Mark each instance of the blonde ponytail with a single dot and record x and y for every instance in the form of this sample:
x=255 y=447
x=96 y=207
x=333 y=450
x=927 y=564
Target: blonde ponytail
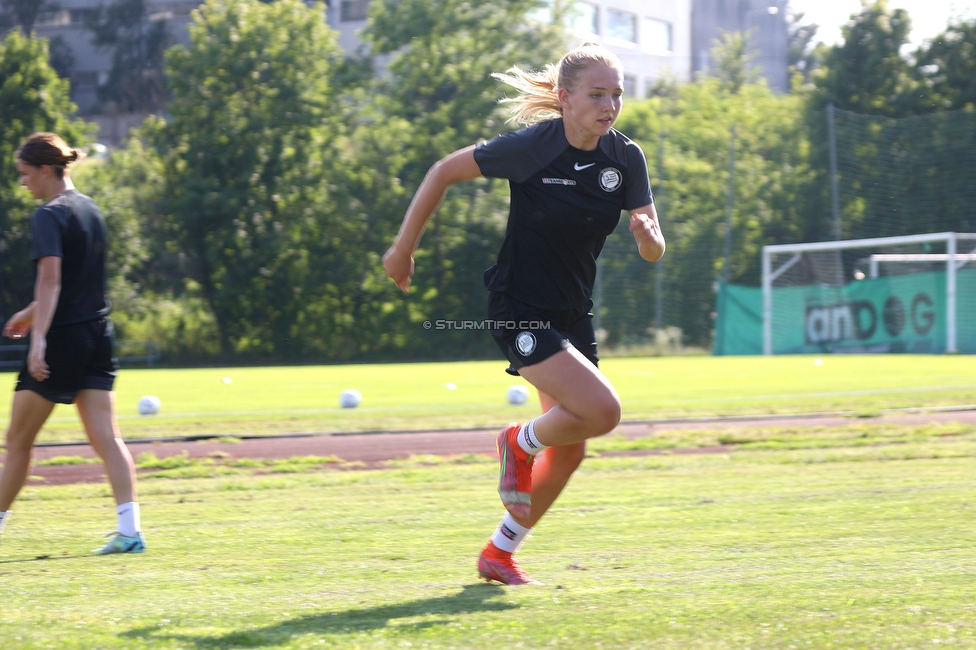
x=538 y=98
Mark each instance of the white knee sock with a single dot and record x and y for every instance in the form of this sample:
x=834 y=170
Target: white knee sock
x=4 y=517
x=128 y=518
x=528 y=441
x=510 y=534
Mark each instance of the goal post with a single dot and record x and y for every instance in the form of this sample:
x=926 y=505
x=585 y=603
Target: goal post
x=816 y=297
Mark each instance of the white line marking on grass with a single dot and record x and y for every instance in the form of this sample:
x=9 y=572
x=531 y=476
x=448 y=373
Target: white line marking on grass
x=846 y=393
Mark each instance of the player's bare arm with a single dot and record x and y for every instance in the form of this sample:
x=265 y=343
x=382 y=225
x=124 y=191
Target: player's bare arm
x=19 y=324
x=47 y=288
x=455 y=168
x=646 y=228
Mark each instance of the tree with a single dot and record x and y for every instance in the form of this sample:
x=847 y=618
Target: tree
x=801 y=55
x=151 y=299
x=733 y=61
x=32 y=98
x=866 y=73
x=137 y=80
x=249 y=152
x=947 y=66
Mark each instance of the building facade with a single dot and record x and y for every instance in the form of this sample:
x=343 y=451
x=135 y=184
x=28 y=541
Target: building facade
x=655 y=40
x=651 y=37
x=765 y=20
x=90 y=65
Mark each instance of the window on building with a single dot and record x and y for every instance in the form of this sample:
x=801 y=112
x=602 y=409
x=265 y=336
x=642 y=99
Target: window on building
x=541 y=14
x=353 y=10
x=622 y=25
x=655 y=35
x=630 y=85
x=78 y=15
x=52 y=18
x=649 y=86
x=585 y=18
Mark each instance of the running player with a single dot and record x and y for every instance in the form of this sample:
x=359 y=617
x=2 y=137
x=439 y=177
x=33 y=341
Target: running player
x=571 y=174
x=70 y=357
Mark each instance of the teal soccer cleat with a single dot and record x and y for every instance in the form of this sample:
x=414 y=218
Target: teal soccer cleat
x=123 y=544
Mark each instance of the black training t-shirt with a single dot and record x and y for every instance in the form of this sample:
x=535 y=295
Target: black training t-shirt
x=70 y=226
x=565 y=201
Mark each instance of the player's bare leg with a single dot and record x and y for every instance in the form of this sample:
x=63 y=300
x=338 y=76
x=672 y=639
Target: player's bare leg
x=551 y=472
x=28 y=414
x=97 y=411
x=586 y=404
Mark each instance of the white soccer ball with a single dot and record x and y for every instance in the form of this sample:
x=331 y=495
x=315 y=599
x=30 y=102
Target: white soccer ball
x=350 y=398
x=148 y=405
x=518 y=394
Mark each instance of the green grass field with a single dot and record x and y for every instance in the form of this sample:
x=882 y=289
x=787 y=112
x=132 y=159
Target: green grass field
x=835 y=545
x=859 y=536
x=414 y=396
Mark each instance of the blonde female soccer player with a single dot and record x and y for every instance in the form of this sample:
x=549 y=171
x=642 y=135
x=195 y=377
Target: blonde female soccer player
x=70 y=357
x=571 y=175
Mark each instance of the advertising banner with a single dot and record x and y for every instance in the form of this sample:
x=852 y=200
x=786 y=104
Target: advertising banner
x=902 y=313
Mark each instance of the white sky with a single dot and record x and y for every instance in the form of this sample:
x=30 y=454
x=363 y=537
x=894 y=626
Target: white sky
x=929 y=17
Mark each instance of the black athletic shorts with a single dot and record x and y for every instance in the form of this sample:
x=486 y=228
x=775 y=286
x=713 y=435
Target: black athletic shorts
x=528 y=335
x=79 y=356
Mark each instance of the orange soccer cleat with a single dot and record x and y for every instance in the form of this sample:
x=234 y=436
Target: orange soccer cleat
x=495 y=564
x=515 y=475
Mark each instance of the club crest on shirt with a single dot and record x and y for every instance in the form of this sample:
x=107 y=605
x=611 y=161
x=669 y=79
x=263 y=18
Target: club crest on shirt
x=610 y=179
x=525 y=343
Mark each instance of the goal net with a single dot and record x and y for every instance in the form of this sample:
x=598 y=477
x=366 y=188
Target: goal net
x=914 y=293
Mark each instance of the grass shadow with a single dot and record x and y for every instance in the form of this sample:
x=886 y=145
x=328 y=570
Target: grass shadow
x=471 y=598
x=48 y=558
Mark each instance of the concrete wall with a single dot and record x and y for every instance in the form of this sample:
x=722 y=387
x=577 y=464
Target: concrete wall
x=765 y=18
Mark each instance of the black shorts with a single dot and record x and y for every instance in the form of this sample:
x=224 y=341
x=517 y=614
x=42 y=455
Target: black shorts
x=528 y=335
x=81 y=355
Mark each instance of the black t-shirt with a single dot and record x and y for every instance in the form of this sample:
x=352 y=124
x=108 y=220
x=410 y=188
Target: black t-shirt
x=70 y=226
x=565 y=201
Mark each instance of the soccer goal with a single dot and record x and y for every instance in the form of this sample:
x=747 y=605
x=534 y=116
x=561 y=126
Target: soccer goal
x=915 y=293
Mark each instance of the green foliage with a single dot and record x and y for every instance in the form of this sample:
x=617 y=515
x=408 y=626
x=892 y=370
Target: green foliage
x=151 y=298
x=32 y=98
x=249 y=156
x=801 y=53
x=947 y=65
x=772 y=173
x=734 y=61
x=906 y=176
x=866 y=73
x=248 y=225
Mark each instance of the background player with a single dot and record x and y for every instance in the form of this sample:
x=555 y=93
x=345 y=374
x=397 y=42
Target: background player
x=70 y=357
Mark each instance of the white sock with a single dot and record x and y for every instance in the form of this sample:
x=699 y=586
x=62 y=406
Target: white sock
x=4 y=517
x=510 y=534
x=128 y=518
x=528 y=441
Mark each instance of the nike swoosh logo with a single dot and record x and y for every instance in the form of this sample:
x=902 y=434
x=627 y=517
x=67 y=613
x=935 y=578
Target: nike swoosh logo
x=580 y=168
